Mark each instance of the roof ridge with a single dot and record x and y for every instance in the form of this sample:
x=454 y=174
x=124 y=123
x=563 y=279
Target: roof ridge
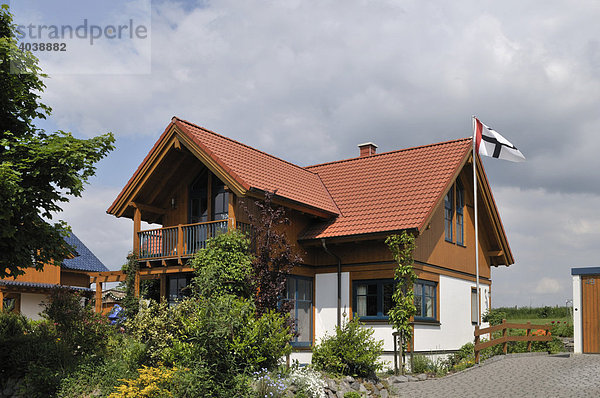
x=388 y=153
x=242 y=144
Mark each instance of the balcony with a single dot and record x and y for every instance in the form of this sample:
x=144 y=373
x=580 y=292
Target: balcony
x=182 y=241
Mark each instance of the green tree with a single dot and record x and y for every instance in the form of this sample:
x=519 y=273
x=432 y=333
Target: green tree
x=402 y=247
x=38 y=170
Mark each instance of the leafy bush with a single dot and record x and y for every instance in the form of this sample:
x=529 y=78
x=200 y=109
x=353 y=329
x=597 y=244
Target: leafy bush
x=226 y=334
x=562 y=329
x=310 y=384
x=353 y=394
x=12 y=325
x=77 y=325
x=494 y=317
x=424 y=364
x=268 y=385
x=39 y=356
x=124 y=357
x=150 y=383
x=224 y=266
x=351 y=351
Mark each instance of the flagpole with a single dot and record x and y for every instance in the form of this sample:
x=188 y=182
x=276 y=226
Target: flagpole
x=476 y=221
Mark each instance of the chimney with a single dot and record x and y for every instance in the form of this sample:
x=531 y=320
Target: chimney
x=367 y=149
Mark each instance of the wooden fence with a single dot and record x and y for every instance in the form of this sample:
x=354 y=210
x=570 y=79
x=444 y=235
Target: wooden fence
x=504 y=326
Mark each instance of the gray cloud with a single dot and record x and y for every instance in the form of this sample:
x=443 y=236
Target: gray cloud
x=307 y=81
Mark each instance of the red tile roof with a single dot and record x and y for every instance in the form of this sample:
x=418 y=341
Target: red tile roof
x=256 y=169
x=389 y=191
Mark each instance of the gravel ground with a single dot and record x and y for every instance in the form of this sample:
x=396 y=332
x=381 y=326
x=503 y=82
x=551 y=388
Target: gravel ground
x=518 y=375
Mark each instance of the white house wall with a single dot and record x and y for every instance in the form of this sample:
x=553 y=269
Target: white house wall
x=326 y=302
x=577 y=323
x=455 y=327
x=31 y=305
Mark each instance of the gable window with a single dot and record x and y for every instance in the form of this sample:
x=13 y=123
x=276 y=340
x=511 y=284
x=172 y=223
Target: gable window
x=449 y=213
x=220 y=201
x=425 y=300
x=299 y=293
x=198 y=199
x=372 y=299
x=460 y=205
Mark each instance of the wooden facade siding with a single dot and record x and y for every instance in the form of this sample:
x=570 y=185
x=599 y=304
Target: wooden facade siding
x=49 y=274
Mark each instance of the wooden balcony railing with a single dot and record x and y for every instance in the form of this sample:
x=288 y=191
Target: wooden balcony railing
x=182 y=240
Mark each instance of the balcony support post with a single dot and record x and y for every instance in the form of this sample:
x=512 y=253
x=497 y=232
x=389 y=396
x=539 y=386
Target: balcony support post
x=137 y=225
x=179 y=243
x=98 y=297
x=231 y=211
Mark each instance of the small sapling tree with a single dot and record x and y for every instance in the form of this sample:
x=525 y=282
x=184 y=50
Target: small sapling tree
x=274 y=259
x=402 y=247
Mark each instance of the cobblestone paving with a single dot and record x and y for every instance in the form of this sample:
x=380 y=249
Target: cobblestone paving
x=517 y=376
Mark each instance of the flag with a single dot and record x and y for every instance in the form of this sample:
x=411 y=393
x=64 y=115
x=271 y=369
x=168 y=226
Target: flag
x=488 y=142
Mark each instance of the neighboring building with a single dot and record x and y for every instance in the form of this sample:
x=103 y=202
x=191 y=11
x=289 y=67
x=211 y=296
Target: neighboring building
x=110 y=298
x=196 y=183
x=26 y=293
x=586 y=310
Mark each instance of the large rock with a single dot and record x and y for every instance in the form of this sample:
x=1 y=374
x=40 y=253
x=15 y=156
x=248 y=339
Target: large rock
x=397 y=379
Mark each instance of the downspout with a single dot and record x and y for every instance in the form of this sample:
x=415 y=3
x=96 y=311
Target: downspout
x=339 y=282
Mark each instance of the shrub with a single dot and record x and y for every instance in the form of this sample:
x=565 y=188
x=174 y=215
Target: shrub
x=224 y=267
x=199 y=382
x=124 y=357
x=38 y=356
x=310 y=384
x=421 y=364
x=351 y=351
x=78 y=326
x=226 y=334
x=150 y=383
x=12 y=325
x=424 y=364
x=353 y=394
x=217 y=337
x=494 y=317
x=562 y=329
x=268 y=385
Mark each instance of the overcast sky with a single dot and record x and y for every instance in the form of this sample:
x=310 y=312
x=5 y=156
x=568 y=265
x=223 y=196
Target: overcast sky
x=309 y=80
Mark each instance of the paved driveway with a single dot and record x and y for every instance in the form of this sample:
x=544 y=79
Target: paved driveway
x=517 y=376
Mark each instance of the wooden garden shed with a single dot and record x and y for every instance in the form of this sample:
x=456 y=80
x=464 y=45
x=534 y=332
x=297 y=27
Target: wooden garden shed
x=586 y=309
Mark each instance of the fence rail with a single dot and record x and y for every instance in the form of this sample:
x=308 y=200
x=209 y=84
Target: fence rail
x=504 y=326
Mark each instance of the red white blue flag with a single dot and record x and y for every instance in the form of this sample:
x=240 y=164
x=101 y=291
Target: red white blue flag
x=488 y=142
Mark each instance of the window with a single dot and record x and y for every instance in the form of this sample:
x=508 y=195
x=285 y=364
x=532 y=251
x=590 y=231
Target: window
x=474 y=306
x=220 y=204
x=460 y=204
x=299 y=293
x=177 y=287
x=372 y=299
x=449 y=213
x=198 y=199
x=425 y=300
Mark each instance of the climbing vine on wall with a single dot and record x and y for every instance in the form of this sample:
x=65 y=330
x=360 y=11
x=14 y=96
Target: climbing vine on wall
x=402 y=247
